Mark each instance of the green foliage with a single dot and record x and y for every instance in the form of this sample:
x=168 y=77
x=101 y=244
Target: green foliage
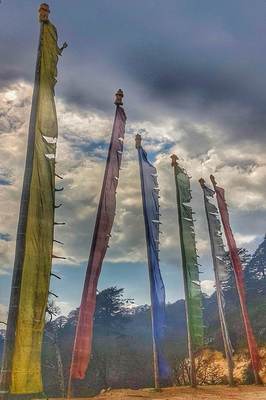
x=112 y=311
x=248 y=378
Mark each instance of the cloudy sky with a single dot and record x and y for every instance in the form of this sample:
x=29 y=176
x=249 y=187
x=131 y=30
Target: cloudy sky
x=194 y=79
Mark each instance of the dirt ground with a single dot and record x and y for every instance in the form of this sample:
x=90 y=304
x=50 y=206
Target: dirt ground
x=186 y=393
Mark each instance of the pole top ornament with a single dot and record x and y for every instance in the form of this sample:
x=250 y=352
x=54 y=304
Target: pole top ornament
x=212 y=178
x=44 y=12
x=119 y=97
x=174 y=160
x=138 y=140
x=202 y=182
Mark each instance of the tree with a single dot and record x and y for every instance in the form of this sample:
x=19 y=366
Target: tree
x=112 y=314
x=52 y=309
x=2 y=340
x=208 y=370
x=52 y=359
x=229 y=286
x=255 y=273
x=112 y=311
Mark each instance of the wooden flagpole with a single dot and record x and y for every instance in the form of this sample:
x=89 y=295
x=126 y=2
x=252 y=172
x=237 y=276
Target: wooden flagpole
x=155 y=353
x=219 y=295
x=193 y=377
x=238 y=272
x=118 y=103
x=20 y=242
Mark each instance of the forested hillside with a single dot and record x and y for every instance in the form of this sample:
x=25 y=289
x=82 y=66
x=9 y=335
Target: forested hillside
x=122 y=348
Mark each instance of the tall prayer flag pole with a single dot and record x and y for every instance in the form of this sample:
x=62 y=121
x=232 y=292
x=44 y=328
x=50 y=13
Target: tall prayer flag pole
x=151 y=212
x=102 y=232
x=220 y=273
x=239 y=278
x=21 y=370
x=193 y=295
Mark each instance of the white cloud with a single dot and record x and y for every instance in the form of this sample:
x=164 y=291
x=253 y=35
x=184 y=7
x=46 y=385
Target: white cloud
x=64 y=307
x=3 y=314
x=244 y=240
x=207 y=286
x=6 y=250
x=239 y=170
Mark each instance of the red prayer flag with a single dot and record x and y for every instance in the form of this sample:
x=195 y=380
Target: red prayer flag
x=239 y=276
x=103 y=226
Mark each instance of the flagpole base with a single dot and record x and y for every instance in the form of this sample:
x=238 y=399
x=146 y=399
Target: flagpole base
x=257 y=378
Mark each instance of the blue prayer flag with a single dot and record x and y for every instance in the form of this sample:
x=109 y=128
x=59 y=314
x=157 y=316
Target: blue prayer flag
x=150 y=198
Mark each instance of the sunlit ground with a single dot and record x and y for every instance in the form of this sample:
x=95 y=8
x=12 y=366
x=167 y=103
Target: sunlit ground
x=218 y=392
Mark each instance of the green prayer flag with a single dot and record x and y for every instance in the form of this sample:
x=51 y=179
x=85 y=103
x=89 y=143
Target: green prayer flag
x=36 y=225
x=189 y=259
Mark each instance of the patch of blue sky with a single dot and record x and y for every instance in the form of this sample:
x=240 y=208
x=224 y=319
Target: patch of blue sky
x=87 y=147
x=132 y=277
x=4 y=181
x=5 y=285
x=5 y=237
x=164 y=148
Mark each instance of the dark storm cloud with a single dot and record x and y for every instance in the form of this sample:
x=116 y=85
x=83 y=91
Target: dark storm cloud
x=8 y=75
x=210 y=86
x=189 y=82
x=193 y=60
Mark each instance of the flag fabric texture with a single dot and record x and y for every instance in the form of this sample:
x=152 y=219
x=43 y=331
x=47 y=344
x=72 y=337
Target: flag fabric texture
x=102 y=231
x=239 y=276
x=150 y=195
x=33 y=258
x=189 y=258
x=220 y=268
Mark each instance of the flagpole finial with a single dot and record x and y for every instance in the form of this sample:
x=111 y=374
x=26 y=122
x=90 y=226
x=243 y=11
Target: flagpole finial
x=119 y=97
x=212 y=178
x=174 y=160
x=138 y=141
x=202 y=182
x=44 y=11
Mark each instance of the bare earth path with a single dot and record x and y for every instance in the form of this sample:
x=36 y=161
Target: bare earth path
x=185 y=393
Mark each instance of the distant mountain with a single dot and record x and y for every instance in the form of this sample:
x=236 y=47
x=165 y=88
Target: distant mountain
x=255 y=284
x=255 y=273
